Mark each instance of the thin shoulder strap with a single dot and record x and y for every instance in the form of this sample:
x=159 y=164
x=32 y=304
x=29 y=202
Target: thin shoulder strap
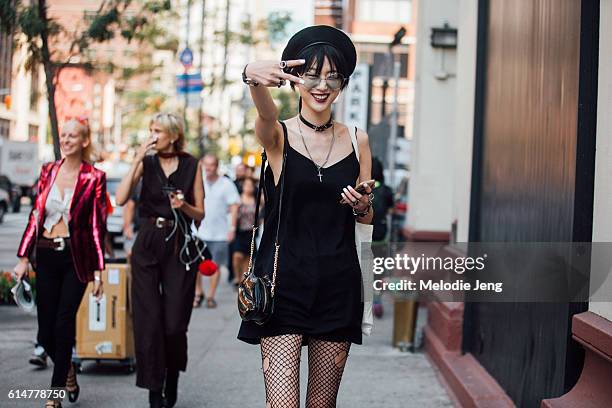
x=355 y=144
x=262 y=186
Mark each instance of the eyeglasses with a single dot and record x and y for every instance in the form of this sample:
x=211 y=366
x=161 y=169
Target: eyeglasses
x=333 y=82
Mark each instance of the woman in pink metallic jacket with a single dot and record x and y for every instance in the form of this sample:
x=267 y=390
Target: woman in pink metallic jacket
x=64 y=241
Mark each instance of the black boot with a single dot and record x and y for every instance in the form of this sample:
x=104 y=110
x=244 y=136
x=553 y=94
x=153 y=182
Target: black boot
x=171 y=389
x=155 y=399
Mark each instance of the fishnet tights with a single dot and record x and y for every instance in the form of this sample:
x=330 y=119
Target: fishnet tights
x=281 y=369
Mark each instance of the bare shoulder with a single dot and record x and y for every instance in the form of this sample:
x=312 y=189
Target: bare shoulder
x=362 y=138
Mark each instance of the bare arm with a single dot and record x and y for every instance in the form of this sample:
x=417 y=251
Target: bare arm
x=196 y=211
x=129 y=210
x=124 y=191
x=268 y=73
x=129 y=181
x=365 y=170
x=349 y=194
x=233 y=210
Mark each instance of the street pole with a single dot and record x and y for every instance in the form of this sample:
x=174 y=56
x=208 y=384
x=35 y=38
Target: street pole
x=397 y=39
x=201 y=135
x=394 y=122
x=187 y=46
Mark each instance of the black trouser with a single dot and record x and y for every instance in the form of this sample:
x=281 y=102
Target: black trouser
x=58 y=296
x=162 y=298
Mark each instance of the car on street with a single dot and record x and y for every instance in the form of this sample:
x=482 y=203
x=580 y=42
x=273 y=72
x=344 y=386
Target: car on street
x=5 y=200
x=114 y=222
x=13 y=190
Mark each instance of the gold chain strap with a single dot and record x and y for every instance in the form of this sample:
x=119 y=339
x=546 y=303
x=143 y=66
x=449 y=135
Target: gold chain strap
x=250 y=267
x=276 y=247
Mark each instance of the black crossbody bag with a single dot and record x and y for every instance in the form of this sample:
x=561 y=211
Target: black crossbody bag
x=256 y=294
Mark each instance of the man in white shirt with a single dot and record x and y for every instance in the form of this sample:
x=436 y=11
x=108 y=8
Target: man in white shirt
x=218 y=228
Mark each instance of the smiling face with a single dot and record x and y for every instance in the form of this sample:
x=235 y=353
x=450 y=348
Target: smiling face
x=74 y=139
x=321 y=96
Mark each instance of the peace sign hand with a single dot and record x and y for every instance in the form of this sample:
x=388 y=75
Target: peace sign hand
x=270 y=73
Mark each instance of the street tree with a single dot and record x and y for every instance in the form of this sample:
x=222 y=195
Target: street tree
x=267 y=32
x=54 y=45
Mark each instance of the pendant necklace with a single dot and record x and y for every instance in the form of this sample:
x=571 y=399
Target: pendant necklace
x=331 y=145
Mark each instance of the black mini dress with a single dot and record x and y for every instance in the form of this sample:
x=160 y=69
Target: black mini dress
x=318 y=283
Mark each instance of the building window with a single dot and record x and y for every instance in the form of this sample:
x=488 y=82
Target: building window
x=385 y=10
x=32 y=133
x=34 y=89
x=382 y=66
x=5 y=126
x=6 y=61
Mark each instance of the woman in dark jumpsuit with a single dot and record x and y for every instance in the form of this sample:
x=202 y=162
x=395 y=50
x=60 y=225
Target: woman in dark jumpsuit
x=162 y=285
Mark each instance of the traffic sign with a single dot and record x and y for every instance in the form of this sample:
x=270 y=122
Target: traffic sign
x=189 y=83
x=186 y=57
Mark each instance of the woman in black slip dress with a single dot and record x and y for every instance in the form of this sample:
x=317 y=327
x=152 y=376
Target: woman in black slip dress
x=317 y=299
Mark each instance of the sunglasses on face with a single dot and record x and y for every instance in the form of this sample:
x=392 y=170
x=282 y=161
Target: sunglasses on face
x=333 y=82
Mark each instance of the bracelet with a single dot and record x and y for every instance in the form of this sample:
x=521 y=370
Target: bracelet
x=246 y=80
x=97 y=278
x=367 y=210
x=364 y=213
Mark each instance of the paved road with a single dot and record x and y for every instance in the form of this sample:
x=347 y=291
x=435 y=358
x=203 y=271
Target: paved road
x=10 y=235
x=222 y=371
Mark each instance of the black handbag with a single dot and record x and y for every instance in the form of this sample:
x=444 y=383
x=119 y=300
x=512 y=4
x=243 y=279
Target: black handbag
x=256 y=294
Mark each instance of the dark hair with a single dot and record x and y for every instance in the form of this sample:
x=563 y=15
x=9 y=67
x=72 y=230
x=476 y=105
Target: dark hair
x=315 y=57
x=377 y=171
x=255 y=184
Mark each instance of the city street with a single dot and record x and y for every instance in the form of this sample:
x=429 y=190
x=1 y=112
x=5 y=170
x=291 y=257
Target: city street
x=222 y=371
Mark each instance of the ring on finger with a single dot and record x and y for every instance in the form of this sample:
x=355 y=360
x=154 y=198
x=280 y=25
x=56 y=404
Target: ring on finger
x=282 y=64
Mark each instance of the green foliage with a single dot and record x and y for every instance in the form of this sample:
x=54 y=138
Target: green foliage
x=142 y=104
x=111 y=19
x=100 y=29
x=276 y=26
x=287 y=102
x=158 y=6
x=8 y=15
x=30 y=22
x=7 y=281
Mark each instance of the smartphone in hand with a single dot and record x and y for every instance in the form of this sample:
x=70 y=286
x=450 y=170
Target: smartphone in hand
x=360 y=188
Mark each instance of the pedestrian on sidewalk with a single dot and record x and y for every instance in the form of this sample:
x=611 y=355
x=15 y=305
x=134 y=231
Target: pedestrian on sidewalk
x=218 y=229
x=39 y=356
x=163 y=274
x=64 y=241
x=246 y=219
x=131 y=222
x=317 y=298
x=383 y=204
x=239 y=175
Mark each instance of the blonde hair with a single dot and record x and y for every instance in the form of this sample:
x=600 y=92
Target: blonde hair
x=173 y=125
x=85 y=131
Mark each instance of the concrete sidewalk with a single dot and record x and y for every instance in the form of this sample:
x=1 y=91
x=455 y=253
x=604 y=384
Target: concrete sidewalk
x=224 y=372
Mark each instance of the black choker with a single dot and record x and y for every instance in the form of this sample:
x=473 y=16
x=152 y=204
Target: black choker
x=315 y=127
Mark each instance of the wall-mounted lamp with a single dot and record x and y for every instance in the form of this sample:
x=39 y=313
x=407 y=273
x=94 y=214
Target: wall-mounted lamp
x=397 y=37
x=444 y=37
